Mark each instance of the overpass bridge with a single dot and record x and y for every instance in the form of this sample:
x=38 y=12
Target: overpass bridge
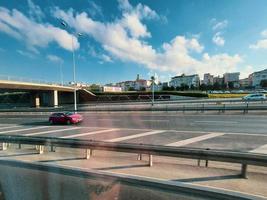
x=42 y=94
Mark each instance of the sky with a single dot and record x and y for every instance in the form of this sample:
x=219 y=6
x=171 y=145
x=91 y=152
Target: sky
x=115 y=40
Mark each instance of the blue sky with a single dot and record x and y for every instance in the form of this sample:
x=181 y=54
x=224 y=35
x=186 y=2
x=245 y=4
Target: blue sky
x=123 y=38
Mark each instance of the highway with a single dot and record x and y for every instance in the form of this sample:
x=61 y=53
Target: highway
x=225 y=132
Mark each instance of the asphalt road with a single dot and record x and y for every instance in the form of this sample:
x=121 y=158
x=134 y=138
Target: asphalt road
x=225 y=132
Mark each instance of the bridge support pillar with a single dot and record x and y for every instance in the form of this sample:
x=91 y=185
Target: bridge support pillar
x=37 y=101
x=55 y=98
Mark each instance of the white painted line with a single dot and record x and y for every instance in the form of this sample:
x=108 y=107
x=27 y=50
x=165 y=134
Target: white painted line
x=182 y=131
x=262 y=149
x=221 y=122
x=89 y=133
x=154 y=120
x=52 y=131
x=8 y=127
x=24 y=129
x=135 y=136
x=194 y=139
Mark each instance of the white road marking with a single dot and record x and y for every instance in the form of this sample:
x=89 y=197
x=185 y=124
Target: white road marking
x=154 y=120
x=8 y=127
x=221 y=122
x=25 y=129
x=52 y=131
x=135 y=136
x=194 y=139
x=90 y=133
x=262 y=149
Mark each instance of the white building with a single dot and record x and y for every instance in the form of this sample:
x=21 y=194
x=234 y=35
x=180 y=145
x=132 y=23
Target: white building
x=231 y=77
x=178 y=81
x=111 y=89
x=208 y=79
x=257 y=77
x=138 y=84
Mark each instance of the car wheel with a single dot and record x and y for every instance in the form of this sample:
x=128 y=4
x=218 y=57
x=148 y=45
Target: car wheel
x=51 y=122
x=68 y=122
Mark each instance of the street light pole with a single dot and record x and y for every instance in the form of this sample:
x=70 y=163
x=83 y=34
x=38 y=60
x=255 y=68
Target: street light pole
x=74 y=64
x=153 y=90
x=74 y=74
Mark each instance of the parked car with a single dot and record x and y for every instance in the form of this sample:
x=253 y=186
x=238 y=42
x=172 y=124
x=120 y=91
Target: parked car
x=254 y=97
x=65 y=118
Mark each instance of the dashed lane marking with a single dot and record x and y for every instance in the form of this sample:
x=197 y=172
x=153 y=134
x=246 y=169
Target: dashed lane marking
x=262 y=149
x=52 y=131
x=24 y=129
x=90 y=133
x=194 y=139
x=135 y=136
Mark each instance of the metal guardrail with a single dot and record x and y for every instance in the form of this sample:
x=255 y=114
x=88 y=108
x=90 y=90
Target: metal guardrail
x=100 y=182
x=221 y=108
x=244 y=159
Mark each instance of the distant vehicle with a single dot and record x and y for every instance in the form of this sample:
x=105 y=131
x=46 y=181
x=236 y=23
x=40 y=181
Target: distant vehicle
x=261 y=91
x=65 y=118
x=254 y=97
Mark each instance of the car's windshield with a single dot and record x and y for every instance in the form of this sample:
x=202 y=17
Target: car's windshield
x=133 y=99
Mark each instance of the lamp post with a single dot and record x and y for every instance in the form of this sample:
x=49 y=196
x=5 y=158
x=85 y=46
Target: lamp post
x=73 y=62
x=153 y=92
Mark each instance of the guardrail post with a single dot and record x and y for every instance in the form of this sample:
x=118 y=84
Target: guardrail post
x=203 y=107
x=150 y=160
x=52 y=149
x=198 y=162
x=139 y=157
x=244 y=170
x=4 y=146
x=207 y=163
x=246 y=109
x=87 y=153
x=41 y=149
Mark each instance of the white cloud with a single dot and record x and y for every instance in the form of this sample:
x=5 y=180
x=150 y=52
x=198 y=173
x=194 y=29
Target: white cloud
x=54 y=58
x=95 y=9
x=246 y=71
x=219 y=25
x=26 y=54
x=218 y=39
x=264 y=33
x=17 y=25
x=35 y=11
x=106 y=58
x=126 y=42
x=260 y=44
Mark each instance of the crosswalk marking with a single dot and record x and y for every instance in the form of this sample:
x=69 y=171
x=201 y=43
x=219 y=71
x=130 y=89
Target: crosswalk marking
x=52 y=131
x=262 y=149
x=24 y=129
x=135 y=136
x=194 y=139
x=90 y=133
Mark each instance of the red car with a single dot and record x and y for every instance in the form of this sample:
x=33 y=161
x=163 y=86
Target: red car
x=65 y=118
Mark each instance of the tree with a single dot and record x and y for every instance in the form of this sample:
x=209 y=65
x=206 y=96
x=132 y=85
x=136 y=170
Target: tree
x=263 y=83
x=131 y=89
x=203 y=87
